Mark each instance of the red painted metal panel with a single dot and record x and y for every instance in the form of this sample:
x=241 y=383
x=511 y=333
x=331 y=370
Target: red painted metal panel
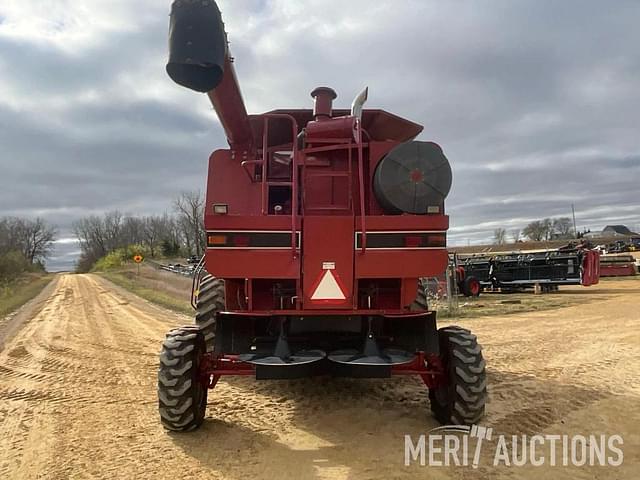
x=614 y=270
x=252 y=264
x=283 y=222
x=229 y=184
x=590 y=268
x=328 y=240
x=401 y=263
x=337 y=127
x=249 y=222
x=406 y=222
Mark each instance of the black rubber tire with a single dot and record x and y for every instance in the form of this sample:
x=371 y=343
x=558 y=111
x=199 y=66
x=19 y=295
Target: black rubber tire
x=182 y=393
x=471 y=287
x=462 y=401
x=421 y=302
x=210 y=300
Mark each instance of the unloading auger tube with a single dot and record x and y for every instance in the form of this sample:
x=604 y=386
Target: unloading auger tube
x=199 y=59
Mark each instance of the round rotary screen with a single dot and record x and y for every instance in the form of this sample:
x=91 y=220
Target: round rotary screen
x=414 y=177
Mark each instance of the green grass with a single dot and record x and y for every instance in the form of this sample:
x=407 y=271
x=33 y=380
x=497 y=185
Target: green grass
x=18 y=292
x=140 y=285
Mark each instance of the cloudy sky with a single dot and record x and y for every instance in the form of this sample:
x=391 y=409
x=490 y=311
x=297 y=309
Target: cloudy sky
x=536 y=103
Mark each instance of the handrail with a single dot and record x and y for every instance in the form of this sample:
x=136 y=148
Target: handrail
x=195 y=282
x=361 y=185
x=265 y=166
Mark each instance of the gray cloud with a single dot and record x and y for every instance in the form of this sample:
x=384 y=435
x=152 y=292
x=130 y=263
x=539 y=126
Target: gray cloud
x=535 y=103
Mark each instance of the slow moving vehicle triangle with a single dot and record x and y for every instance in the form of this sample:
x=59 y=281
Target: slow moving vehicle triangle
x=328 y=288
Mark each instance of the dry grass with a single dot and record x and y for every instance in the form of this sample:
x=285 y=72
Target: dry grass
x=490 y=304
x=495 y=304
x=15 y=294
x=164 y=288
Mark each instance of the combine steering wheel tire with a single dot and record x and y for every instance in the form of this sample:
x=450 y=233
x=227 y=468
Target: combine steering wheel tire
x=182 y=391
x=462 y=400
x=210 y=300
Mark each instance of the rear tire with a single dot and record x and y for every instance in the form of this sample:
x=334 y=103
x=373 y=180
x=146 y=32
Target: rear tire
x=182 y=392
x=422 y=301
x=462 y=400
x=209 y=302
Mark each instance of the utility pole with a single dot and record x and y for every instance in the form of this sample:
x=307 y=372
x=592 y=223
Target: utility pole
x=575 y=229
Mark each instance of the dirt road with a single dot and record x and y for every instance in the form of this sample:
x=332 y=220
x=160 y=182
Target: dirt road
x=77 y=397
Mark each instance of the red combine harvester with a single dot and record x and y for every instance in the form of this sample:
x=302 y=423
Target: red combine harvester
x=320 y=224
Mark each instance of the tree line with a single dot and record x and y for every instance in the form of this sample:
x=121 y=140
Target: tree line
x=179 y=233
x=540 y=230
x=24 y=245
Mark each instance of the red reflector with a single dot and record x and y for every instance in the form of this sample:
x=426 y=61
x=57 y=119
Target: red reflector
x=241 y=241
x=437 y=240
x=412 y=241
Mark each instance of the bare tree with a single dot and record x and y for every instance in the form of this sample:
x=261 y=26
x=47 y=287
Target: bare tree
x=32 y=238
x=499 y=236
x=38 y=240
x=24 y=245
x=536 y=231
x=515 y=235
x=91 y=235
x=8 y=235
x=563 y=227
x=156 y=230
x=190 y=209
x=133 y=230
x=113 y=227
x=99 y=236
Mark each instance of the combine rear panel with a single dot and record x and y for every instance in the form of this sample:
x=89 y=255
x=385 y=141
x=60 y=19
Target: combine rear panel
x=319 y=224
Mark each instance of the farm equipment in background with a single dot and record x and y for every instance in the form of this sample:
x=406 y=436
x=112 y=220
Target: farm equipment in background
x=619 y=246
x=617 y=265
x=468 y=284
x=319 y=225
x=523 y=270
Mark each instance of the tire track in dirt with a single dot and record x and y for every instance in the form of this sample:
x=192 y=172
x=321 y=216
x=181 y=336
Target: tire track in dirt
x=76 y=357
x=77 y=397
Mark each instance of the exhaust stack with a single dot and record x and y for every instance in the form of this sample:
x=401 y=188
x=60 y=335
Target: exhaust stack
x=323 y=98
x=199 y=60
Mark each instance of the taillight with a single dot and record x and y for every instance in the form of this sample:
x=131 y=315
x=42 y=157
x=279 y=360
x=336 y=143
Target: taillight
x=216 y=240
